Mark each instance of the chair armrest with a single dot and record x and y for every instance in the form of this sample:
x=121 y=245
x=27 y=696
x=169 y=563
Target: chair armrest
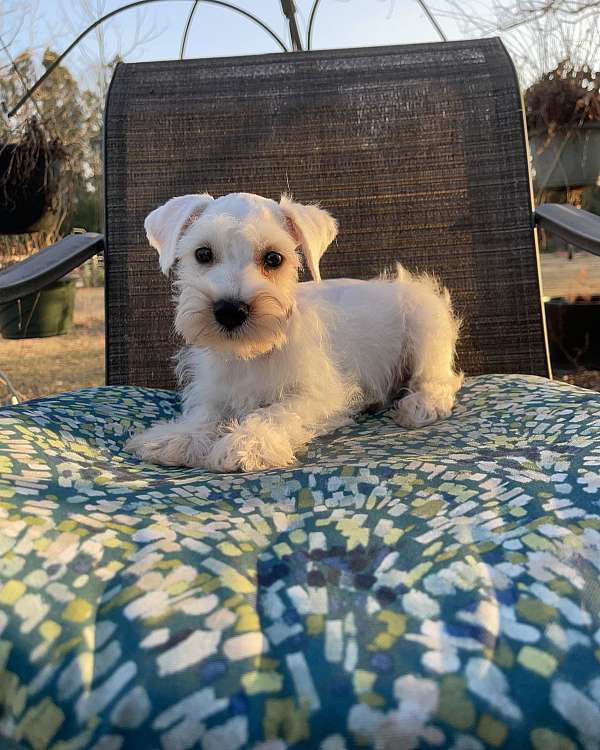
x=578 y=227
x=48 y=265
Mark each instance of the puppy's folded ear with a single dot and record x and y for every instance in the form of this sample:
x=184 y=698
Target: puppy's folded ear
x=313 y=228
x=165 y=225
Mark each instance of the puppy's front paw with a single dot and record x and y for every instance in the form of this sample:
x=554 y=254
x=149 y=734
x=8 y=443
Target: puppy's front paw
x=248 y=448
x=415 y=412
x=167 y=444
x=427 y=401
x=420 y=409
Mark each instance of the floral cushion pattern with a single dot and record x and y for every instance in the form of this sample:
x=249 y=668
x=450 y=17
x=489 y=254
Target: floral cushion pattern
x=395 y=589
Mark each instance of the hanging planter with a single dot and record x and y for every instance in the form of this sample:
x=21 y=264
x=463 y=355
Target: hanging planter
x=30 y=175
x=563 y=119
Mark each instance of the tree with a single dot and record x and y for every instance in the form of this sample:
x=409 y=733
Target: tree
x=105 y=47
x=100 y=54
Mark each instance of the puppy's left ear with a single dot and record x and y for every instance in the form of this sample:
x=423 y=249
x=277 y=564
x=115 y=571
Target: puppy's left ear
x=165 y=225
x=313 y=228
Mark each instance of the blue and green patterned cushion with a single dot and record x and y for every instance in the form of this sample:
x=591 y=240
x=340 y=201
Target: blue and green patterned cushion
x=397 y=589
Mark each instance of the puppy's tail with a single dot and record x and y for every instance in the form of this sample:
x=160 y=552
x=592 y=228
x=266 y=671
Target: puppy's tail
x=433 y=284
x=425 y=278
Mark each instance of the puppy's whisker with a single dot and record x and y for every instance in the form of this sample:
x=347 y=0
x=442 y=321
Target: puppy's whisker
x=265 y=297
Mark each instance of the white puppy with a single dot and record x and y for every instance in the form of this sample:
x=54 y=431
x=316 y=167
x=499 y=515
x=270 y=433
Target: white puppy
x=272 y=362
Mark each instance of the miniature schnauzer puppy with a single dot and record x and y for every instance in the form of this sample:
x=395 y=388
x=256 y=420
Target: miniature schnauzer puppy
x=272 y=362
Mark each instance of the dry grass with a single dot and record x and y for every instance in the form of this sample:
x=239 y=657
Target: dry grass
x=562 y=277
x=39 y=367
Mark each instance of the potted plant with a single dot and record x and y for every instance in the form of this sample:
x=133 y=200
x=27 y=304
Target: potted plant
x=563 y=118
x=48 y=312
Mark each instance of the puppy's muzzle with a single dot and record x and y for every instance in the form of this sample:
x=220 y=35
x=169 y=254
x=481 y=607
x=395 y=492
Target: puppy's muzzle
x=230 y=313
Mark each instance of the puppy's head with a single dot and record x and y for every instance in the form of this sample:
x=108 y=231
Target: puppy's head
x=236 y=262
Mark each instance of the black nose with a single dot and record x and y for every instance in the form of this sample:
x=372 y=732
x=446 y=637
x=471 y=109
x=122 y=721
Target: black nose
x=230 y=313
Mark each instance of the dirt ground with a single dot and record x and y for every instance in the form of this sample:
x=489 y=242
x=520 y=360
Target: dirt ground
x=38 y=367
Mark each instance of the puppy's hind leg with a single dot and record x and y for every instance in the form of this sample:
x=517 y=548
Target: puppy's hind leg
x=432 y=330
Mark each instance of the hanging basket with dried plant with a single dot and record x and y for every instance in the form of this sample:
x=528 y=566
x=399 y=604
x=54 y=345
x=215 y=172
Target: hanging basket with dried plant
x=31 y=169
x=563 y=119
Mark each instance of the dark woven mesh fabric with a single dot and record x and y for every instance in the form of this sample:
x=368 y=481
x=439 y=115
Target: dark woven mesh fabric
x=418 y=151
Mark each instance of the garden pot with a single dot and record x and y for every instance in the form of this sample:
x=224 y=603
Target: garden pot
x=570 y=159
x=574 y=331
x=48 y=312
x=25 y=206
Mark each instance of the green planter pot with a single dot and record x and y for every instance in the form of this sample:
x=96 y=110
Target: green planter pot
x=570 y=159
x=48 y=312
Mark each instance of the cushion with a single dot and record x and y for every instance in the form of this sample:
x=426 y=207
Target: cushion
x=397 y=588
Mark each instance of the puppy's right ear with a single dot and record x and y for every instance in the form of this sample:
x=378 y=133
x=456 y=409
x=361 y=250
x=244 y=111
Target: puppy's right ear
x=165 y=225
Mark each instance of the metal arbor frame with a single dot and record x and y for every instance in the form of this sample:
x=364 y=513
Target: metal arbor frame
x=288 y=8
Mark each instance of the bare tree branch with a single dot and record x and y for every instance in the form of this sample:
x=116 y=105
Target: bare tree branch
x=100 y=53
x=537 y=42
x=571 y=7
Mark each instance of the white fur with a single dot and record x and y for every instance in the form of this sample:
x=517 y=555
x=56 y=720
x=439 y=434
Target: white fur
x=310 y=355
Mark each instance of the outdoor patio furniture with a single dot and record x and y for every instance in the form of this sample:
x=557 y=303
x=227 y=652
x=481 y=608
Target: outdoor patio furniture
x=397 y=588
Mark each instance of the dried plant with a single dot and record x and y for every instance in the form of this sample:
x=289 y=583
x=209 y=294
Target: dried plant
x=14 y=248
x=566 y=97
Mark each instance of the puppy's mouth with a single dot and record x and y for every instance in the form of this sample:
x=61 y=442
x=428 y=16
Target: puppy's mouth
x=243 y=329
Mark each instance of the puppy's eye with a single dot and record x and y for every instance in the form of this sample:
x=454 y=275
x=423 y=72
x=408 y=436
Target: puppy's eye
x=204 y=255
x=272 y=259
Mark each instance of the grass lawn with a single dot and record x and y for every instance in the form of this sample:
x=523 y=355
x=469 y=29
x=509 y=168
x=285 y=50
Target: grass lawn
x=569 y=278
x=38 y=367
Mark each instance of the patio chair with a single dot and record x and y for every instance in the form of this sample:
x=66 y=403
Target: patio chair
x=396 y=589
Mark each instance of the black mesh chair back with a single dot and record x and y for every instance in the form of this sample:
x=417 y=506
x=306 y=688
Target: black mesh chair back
x=419 y=151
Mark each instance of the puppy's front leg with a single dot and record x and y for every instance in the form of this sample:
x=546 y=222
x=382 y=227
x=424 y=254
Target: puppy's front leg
x=268 y=437
x=183 y=442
